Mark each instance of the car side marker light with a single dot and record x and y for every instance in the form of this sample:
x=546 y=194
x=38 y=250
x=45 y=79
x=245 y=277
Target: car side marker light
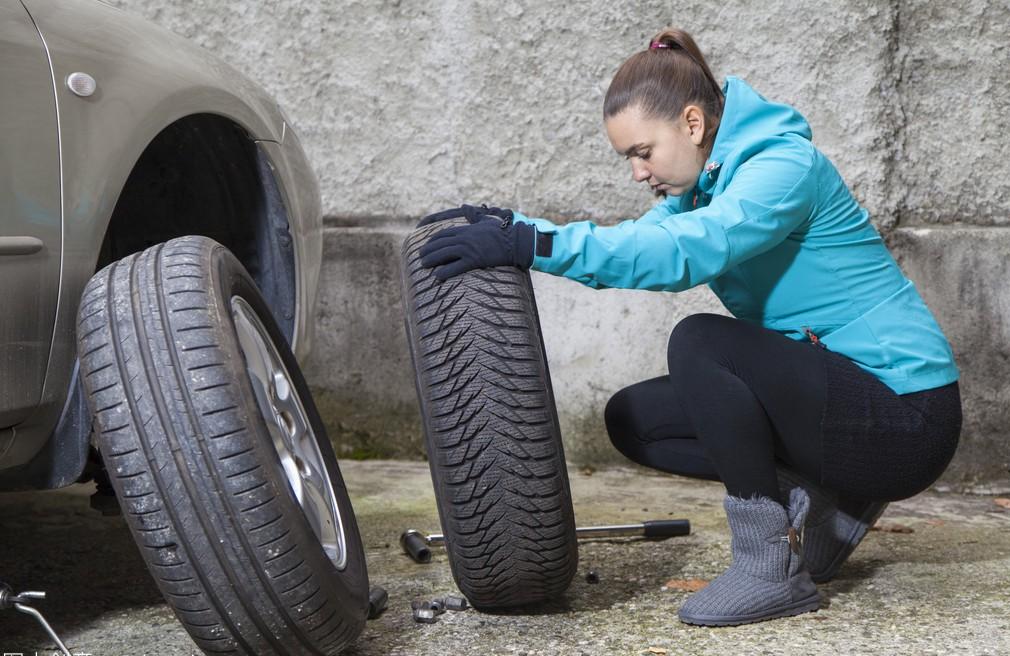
x=81 y=84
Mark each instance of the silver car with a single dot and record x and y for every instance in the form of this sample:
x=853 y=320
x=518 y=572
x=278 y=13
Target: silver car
x=169 y=378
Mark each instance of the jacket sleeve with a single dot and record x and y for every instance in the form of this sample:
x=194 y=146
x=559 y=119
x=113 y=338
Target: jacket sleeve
x=770 y=195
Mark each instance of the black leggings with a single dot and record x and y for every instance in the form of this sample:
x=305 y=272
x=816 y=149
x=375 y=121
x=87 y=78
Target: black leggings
x=739 y=397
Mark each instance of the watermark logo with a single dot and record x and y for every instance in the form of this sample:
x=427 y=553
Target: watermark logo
x=44 y=653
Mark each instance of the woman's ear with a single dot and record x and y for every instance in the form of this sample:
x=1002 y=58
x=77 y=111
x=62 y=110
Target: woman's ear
x=694 y=120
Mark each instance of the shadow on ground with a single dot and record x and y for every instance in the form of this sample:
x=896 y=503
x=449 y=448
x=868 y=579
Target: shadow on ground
x=86 y=563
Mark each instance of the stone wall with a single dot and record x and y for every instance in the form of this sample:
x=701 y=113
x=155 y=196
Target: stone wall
x=407 y=107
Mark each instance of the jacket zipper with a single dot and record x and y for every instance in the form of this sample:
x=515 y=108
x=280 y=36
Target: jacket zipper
x=814 y=339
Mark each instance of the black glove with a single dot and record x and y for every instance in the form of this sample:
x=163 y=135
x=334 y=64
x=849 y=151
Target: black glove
x=489 y=242
x=471 y=213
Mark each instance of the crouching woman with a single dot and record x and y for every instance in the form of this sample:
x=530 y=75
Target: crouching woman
x=829 y=392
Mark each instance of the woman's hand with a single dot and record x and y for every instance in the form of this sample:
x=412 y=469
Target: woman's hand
x=488 y=242
x=471 y=213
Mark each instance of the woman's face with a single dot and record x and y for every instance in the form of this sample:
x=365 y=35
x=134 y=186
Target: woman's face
x=666 y=154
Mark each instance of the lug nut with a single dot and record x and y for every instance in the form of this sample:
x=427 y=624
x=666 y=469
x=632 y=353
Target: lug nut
x=377 y=600
x=454 y=603
x=425 y=616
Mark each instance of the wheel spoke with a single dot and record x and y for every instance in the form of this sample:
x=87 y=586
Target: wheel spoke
x=257 y=366
x=315 y=504
x=294 y=478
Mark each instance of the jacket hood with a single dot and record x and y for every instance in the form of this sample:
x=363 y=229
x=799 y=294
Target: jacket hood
x=748 y=121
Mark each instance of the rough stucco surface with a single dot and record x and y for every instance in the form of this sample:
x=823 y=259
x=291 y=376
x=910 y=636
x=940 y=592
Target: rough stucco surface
x=406 y=107
x=956 y=95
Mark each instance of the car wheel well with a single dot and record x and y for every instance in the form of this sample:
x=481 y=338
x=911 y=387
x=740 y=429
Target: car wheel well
x=205 y=175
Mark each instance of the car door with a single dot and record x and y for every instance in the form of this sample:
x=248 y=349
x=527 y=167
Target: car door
x=30 y=213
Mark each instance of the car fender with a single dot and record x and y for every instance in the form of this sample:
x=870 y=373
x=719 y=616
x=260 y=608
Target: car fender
x=146 y=79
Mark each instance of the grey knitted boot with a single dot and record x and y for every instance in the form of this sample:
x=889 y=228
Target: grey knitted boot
x=835 y=526
x=767 y=578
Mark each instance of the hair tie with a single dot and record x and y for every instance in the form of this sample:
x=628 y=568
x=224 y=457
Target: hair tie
x=656 y=44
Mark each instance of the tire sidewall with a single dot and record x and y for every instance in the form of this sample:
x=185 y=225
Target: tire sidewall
x=230 y=279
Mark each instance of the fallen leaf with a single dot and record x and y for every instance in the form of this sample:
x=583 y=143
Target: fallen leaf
x=890 y=527
x=588 y=470
x=1001 y=502
x=657 y=650
x=685 y=585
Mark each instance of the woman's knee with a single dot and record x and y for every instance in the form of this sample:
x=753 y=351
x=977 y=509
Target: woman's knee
x=702 y=328
x=695 y=339
x=622 y=426
x=617 y=417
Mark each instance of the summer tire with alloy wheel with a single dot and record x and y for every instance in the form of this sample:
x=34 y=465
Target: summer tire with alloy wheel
x=218 y=457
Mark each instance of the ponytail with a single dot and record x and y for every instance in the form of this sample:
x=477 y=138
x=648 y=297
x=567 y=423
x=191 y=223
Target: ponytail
x=663 y=79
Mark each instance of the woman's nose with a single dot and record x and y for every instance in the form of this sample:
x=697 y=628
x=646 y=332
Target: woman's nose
x=638 y=171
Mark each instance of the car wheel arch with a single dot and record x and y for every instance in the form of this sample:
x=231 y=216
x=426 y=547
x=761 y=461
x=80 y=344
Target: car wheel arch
x=166 y=180
x=205 y=174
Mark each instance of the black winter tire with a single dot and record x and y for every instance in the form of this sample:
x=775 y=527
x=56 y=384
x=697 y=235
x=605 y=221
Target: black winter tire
x=491 y=430
x=193 y=461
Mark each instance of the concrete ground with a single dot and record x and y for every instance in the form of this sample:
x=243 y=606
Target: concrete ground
x=941 y=588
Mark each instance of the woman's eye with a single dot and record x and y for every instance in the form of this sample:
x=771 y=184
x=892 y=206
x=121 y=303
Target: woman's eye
x=644 y=155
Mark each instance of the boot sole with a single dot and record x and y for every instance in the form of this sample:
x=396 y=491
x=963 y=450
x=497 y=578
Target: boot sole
x=851 y=542
x=807 y=605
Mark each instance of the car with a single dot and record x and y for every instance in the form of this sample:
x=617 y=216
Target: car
x=160 y=248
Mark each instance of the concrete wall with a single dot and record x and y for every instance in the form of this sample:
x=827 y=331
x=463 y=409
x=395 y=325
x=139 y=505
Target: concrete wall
x=955 y=93
x=407 y=107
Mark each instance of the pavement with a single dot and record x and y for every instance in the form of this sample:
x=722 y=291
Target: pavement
x=934 y=580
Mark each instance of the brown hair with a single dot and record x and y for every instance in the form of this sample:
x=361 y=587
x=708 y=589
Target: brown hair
x=663 y=79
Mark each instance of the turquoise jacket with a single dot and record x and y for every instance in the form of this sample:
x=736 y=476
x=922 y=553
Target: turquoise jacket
x=774 y=232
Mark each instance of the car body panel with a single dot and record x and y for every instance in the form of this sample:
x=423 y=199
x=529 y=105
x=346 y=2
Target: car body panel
x=147 y=78
x=29 y=208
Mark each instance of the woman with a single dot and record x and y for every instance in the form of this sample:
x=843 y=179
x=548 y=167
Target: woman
x=830 y=391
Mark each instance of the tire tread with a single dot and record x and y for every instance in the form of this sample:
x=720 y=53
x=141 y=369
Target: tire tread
x=491 y=430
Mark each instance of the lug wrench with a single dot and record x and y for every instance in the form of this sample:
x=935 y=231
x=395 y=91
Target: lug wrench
x=19 y=602
x=415 y=544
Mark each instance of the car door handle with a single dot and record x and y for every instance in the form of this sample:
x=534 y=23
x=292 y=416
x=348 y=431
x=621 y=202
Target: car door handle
x=20 y=245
